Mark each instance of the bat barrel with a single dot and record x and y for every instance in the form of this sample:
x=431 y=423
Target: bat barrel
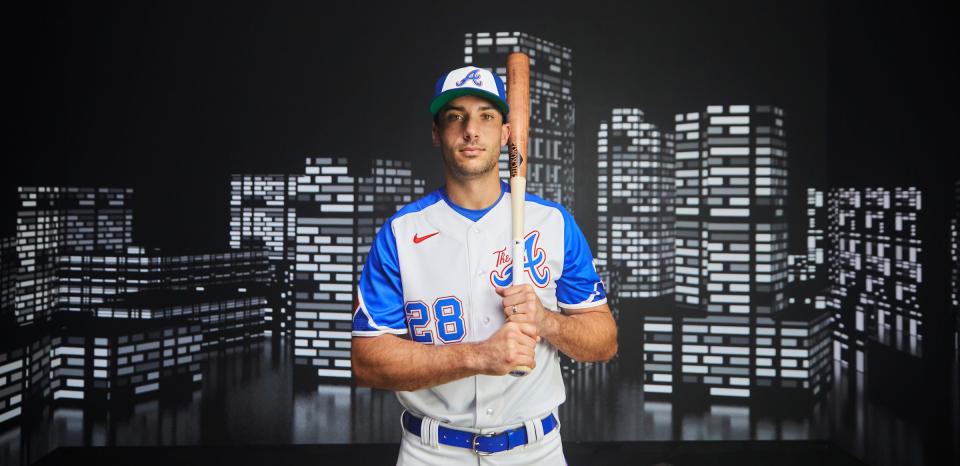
x=518 y=98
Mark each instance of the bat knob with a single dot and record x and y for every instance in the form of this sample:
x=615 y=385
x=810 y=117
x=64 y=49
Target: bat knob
x=520 y=371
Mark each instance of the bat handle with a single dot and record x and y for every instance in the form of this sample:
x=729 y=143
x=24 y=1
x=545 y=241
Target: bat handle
x=518 y=190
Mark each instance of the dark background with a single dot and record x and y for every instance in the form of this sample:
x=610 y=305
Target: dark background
x=170 y=99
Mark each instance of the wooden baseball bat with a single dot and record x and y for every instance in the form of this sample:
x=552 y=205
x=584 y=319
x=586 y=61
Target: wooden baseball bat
x=518 y=98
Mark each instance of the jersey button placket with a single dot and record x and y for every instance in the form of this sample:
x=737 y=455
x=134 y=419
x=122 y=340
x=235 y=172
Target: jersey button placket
x=475 y=257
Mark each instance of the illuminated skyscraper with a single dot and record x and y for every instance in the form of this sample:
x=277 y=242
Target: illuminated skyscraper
x=53 y=221
x=337 y=216
x=874 y=271
x=324 y=275
x=731 y=229
x=635 y=187
x=261 y=217
x=550 y=174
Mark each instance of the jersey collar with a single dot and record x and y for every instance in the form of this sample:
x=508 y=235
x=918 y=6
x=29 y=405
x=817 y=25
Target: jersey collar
x=474 y=215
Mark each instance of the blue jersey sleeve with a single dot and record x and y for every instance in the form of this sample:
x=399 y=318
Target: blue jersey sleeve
x=579 y=286
x=379 y=306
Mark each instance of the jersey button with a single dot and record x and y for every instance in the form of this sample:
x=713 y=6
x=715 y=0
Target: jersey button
x=489 y=411
x=486 y=320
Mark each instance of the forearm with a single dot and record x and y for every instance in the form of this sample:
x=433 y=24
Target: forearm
x=584 y=336
x=394 y=363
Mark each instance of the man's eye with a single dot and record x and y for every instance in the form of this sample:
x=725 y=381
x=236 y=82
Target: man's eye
x=487 y=116
x=454 y=117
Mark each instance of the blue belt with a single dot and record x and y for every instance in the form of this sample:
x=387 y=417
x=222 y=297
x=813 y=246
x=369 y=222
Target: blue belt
x=481 y=444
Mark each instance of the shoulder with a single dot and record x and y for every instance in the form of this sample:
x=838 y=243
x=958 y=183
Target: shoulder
x=534 y=199
x=554 y=208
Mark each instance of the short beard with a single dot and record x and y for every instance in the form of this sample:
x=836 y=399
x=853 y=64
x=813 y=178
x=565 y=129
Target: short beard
x=463 y=173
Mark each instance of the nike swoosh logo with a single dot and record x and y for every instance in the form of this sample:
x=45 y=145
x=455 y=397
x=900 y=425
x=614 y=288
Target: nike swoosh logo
x=419 y=239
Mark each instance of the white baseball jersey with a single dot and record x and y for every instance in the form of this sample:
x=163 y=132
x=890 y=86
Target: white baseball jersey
x=431 y=274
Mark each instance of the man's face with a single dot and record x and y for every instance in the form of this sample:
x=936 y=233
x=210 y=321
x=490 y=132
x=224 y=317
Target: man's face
x=470 y=133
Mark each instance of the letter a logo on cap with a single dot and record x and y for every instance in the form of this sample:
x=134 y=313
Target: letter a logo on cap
x=469 y=80
x=473 y=75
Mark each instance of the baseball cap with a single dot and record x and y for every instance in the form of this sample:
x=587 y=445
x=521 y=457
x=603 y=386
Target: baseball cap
x=470 y=80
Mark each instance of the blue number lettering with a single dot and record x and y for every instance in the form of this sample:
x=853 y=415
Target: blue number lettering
x=418 y=320
x=449 y=313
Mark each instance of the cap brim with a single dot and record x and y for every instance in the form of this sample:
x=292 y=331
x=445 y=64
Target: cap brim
x=446 y=97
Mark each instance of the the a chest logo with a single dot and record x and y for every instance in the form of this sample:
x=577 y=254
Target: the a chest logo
x=534 y=264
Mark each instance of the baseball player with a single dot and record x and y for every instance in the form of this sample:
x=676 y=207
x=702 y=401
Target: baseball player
x=438 y=320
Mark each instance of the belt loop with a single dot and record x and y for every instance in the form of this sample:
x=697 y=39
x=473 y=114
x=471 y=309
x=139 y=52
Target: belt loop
x=425 y=431
x=435 y=433
x=532 y=432
x=538 y=426
x=430 y=432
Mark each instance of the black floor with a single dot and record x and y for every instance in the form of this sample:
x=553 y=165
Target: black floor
x=781 y=453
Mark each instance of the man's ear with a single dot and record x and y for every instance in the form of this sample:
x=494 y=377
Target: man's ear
x=504 y=134
x=435 y=135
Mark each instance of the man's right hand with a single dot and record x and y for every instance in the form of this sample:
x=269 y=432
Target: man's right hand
x=512 y=346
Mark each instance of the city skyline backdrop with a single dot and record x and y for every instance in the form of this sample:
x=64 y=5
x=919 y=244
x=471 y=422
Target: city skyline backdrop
x=724 y=174
x=272 y=214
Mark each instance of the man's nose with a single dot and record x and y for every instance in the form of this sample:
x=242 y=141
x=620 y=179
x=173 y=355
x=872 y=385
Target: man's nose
x=470 y=129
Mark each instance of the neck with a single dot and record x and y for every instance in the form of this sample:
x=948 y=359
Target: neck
x=474 y=194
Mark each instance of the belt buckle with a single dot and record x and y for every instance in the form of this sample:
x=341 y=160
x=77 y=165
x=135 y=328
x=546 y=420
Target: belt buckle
x=473 y=443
